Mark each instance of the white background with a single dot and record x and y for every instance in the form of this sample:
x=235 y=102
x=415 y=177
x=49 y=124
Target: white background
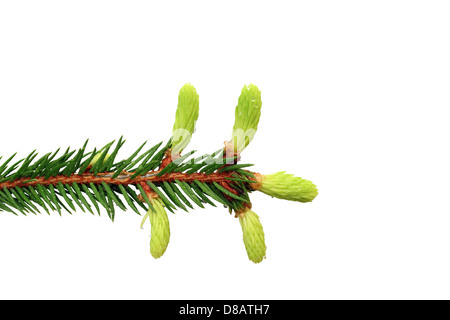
x=355 y=98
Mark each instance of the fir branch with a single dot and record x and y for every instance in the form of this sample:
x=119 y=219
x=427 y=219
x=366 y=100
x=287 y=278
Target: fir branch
x=155 y=179
x=79 y=180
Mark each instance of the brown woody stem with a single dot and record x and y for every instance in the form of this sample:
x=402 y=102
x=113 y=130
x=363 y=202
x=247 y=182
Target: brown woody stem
x=123 y=179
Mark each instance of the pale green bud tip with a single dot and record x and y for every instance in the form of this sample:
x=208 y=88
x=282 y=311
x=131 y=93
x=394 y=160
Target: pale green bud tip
x=160 y=229
x=185 y=118
x=286 y=186
x=247 y=114
x=97 y=157
x=253 y=236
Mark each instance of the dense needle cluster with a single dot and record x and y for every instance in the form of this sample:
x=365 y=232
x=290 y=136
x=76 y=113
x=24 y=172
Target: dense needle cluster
x=155 y=179
x=74 y=180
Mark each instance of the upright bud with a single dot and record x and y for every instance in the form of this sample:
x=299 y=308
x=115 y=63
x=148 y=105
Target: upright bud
x=185 y=118
x=286 y=186
x=253 y=235
x=247 y=115
x=160 y=229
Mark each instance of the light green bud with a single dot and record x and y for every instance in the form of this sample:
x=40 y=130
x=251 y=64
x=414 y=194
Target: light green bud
x=253 y=236
x=97 y=157
x=286 y=186
x=160 y=229
x=185 y=117
x=247 y=114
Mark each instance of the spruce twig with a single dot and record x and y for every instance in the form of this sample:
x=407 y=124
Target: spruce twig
x=154 y=179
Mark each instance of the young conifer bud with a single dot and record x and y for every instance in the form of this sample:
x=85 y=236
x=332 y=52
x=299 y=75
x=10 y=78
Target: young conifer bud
x=247 y=114
x=185 y=118
x=160 y=229
x=253 y=235
x=286 y=186
x=97 y=157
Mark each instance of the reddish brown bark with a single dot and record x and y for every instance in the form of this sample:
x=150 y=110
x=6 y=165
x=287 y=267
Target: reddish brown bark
x=124 y=179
